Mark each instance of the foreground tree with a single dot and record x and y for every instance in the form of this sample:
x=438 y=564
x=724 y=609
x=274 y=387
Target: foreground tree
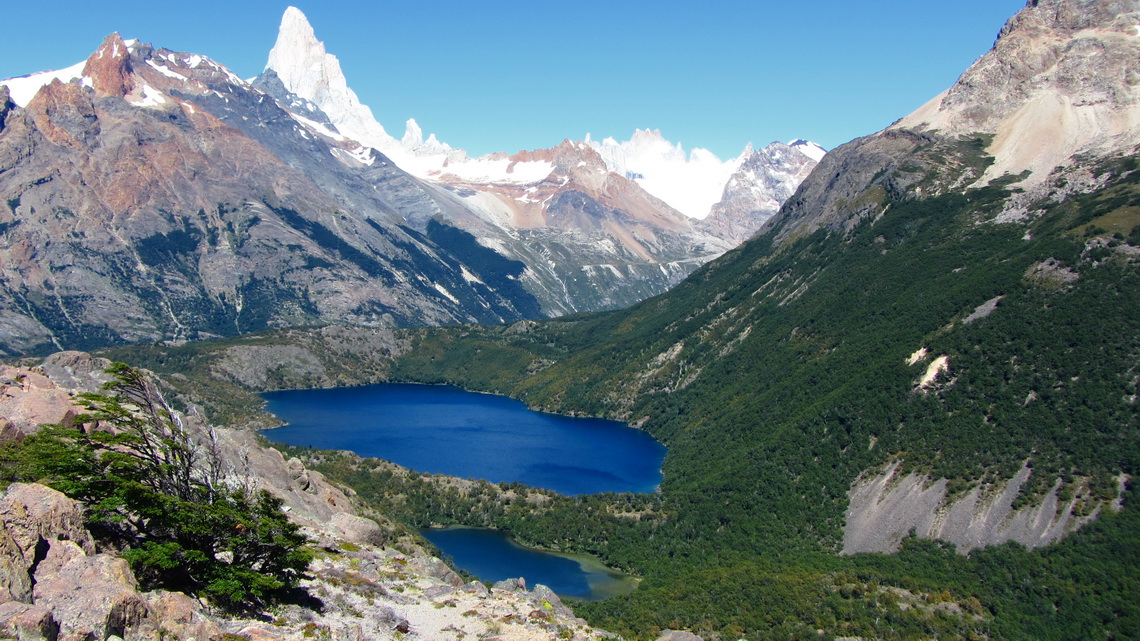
x=164 y=496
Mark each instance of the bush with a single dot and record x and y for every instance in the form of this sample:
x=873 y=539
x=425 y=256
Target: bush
x=164 y=495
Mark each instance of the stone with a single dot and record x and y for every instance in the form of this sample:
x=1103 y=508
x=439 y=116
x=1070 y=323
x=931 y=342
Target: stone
x=178 y=616
x=435 y=568
x=358 y=529
x=93 y=595
x=511 y=585
x=678 y=635
x=15 y=580
x=25 y=622
x=57 y=554
x=31 y=512
x=545 y=598
x=477 y=588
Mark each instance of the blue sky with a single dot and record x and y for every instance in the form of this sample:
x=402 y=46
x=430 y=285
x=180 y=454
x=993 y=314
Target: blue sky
x=510 y=75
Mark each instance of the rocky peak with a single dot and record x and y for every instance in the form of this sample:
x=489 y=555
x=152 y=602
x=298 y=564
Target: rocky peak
x=308 y=71
x=1062 y=78
x=109 y=68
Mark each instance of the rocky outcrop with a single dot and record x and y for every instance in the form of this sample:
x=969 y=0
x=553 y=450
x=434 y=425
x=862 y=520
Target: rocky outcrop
x=886 y=507
x=31 y=396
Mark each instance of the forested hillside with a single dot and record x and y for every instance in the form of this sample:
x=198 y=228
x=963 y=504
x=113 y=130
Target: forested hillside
x=779 y=374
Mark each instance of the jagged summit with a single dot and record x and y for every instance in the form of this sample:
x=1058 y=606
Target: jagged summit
x=304 y=67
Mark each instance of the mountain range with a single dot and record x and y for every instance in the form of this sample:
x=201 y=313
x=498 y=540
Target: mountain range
x=154 y=195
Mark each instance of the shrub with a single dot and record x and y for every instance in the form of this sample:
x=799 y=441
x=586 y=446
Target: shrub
x=165 y=496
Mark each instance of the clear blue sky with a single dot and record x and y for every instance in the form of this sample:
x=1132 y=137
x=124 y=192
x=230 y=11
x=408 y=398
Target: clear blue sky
x=509 y=75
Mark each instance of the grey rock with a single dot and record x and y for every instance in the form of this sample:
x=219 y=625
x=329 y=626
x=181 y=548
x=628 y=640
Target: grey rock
x=678 y=635
x=358 y=529
x=545 y=598
x=511 y=585
x=434 y=567
x=477 y=588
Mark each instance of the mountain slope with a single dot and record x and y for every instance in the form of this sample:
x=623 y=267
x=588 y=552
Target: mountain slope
x=159 y=196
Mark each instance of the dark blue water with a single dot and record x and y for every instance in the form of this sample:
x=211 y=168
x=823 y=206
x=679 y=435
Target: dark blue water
x=492 y=556
x=445 y=430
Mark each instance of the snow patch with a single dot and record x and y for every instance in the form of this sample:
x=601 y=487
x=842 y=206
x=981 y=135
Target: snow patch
x=468 y=276
x=317 y=127
x=808 y=148
x=443 y=290
x=166 y=71
x=151 y=97
x=24 y=88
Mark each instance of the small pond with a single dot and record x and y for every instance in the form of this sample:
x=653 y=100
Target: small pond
x=446 y=430
x=493 y=556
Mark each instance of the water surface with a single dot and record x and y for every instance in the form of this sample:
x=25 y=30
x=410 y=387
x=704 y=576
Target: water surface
x=446 y=430
x=493 y=556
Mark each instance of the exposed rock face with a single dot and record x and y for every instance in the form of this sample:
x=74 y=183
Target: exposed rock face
x=107 y=603
x=1062 y=79
x=886 y=507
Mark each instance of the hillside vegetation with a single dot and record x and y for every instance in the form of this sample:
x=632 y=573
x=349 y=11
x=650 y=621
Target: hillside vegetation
x=781 y=372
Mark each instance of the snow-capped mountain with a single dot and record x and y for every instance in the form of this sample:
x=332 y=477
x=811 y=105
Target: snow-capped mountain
x=195 y=203
x=764 y=180
x=690 y=184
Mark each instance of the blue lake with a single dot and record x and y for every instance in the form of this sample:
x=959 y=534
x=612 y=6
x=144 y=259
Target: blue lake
x=446 y=430
x=492 y=556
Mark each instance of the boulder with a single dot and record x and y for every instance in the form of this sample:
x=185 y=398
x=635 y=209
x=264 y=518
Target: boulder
x=435 y=568
x=15 y=580
x=25 y=622
x=546 y=599
x=92 y=596
x=511 y=585
x=32 y=513
x=178 y=616
x=477 y=588
x=358 y=529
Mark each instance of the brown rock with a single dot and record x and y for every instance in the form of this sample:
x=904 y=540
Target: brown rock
x=22 y=621
x=15 y=581
x=93 y=595
x=31 y=512
x=110 y=67
x=58 y=554
x=180 y=617
x=358 y=529
x=29 y=399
